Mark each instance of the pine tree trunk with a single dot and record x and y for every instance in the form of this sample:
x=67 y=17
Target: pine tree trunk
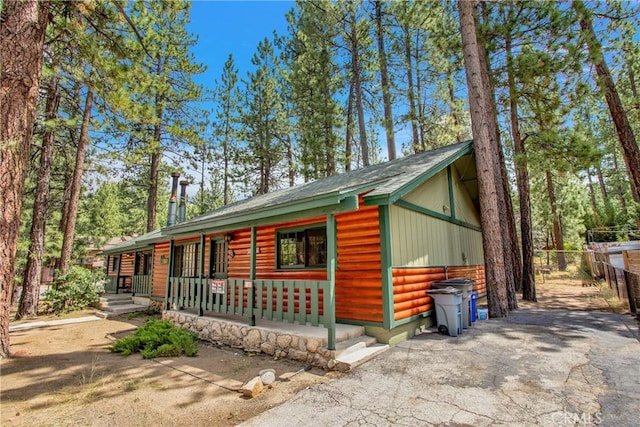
x=30 y=297
x=384 y=80
x=592 y=198
x=68 y=171
x=626 y=137
x=152 y=197
x=603 y=188
x=76 y=186
x=291 y=167
x=528 y=286
x=418 y=99
x=619 y=189
x=357 y=86
x=225 y=155
x=154 y=169
x=411 y=96
x=558 y=239
x=22 y=30
x=634 y=89
x=511 y=251
x=457 y=123
x=487 y=161
x=348 y=156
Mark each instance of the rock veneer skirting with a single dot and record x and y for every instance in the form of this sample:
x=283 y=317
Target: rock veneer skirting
x=279 y=344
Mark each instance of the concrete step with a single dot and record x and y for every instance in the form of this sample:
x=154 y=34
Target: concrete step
x=120 y=309
x=348 y=361
x=113 y=300
x=107 y=304
x=354 y=344
x=115 y=297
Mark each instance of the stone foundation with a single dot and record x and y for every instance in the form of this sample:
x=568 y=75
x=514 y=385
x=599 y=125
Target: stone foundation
x=280 y=345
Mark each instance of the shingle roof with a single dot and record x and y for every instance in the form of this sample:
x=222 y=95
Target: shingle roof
x=379 y=179
x=393 y=178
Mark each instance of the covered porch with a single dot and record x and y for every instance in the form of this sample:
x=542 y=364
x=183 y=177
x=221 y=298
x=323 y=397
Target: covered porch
x=251 y=299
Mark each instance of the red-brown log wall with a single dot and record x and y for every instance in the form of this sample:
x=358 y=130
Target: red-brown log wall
x=474 y=272
x=359 y=269
x=410 y=290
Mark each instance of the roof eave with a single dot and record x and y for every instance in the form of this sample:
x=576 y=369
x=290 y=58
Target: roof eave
x=316 y=206
x=394 y=196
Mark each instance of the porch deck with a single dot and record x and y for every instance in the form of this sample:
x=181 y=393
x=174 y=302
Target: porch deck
x=305 y=343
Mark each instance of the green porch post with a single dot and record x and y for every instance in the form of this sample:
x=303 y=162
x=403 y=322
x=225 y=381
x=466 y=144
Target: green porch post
x=167 y=301
x=200 y=287
x=119 y=270
x=387 y=271
x=135 y=272
x=451 y=199
x=330 y=309
x=252 y=276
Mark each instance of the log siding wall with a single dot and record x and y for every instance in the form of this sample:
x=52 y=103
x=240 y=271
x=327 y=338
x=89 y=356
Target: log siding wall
x=359 y=269
x=410 y=285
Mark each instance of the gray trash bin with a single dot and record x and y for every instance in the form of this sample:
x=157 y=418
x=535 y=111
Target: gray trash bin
x=448 y=305
x=466 y=286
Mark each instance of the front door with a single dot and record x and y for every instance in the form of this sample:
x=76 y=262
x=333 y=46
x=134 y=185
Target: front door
x=219 y=259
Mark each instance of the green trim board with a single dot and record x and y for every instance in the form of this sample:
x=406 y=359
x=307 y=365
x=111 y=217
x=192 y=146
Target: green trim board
x=385 y=263
x=255 y=219
x=167 y=290
x=428 y=212
x=388 y=199
x=452 y=204
x=330 y=309
x=252 y=275
x=415 y=317
x=359 y=323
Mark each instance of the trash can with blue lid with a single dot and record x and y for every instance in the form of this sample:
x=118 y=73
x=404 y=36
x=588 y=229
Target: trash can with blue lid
x=474 y=298
x=448 y=308
x=466 y=286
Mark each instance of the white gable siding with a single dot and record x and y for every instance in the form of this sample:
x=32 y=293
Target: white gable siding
x=465 y=209
x=418 y=239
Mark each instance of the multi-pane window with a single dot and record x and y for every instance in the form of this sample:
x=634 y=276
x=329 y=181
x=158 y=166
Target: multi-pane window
x=218 y=262
x=302 y=248
x=186 y=260
x=143 y=264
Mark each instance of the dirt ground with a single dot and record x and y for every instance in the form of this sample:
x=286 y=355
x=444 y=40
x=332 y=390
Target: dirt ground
x=66 y=376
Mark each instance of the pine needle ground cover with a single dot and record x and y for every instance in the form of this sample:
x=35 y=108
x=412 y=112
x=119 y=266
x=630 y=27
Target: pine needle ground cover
x=158 y=338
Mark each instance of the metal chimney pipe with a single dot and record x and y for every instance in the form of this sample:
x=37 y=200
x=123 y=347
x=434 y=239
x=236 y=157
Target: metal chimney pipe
x=182 y=209
x=171 y=217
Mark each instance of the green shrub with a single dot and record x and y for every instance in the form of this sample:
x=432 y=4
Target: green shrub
x=78 y=289
x=158 y=338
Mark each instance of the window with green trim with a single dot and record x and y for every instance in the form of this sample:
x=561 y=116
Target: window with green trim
x=186 y=260
x=302 y=248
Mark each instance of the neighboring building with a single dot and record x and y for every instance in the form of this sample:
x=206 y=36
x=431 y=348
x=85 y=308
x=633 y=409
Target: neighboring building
x=359 y=248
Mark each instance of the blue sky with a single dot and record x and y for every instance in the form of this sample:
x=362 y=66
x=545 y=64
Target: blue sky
x=233 y=27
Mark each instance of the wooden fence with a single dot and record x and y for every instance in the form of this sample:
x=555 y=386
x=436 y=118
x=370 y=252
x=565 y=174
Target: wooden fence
x=625 y=283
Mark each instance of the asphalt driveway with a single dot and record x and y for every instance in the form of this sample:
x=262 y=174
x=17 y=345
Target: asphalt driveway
x=549 y=367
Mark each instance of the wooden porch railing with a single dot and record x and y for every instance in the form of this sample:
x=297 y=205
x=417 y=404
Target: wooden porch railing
x=141 y=285
x=284 y=300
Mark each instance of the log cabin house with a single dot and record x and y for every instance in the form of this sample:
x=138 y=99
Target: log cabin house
x=359 y=248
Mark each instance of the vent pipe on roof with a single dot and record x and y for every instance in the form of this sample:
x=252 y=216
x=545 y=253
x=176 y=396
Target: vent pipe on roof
x=182 y=209
x=171 y=217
